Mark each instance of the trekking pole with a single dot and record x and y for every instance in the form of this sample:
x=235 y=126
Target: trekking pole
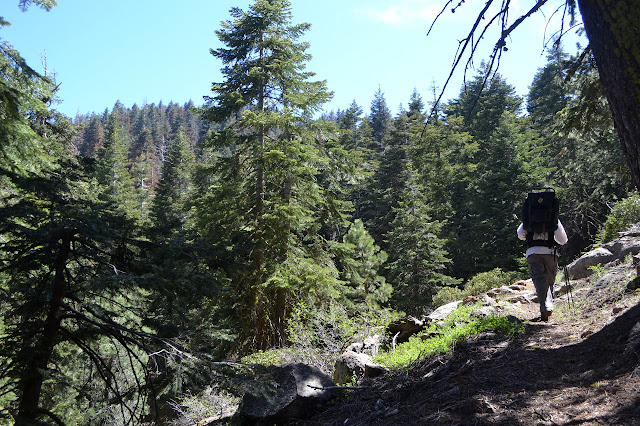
x=572 y=303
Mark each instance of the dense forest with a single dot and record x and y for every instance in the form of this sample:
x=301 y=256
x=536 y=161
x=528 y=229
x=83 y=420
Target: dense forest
x=140 y=243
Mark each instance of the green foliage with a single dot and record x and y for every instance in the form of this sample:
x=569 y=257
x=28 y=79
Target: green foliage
x=169 y=206
x=361 y=262
x=274 y=187
x=25 y=117
x=486 y=281
x=210 y=403
x=457 y=327
x=448 y=294
x=227 y=234
x=112 y=173
x=624 y=213
x=45 y=4
x=478 y=284
x=67 y=302
x=598 y=271
x=588 y=166
x=474 y=167
x=319 y=333
x=416 y=268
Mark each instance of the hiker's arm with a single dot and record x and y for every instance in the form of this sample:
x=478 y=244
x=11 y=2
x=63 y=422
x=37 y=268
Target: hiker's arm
x=522 y=234
x=560 y=235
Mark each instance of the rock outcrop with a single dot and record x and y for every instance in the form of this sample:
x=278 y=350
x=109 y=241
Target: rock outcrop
x=627 y=244
x=287 y=392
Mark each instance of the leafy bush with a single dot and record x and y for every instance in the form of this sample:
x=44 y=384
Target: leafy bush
x=446 y=295
x=480 y=283
x=625 y=213
x=318 y=335
x=458 y=326
x=485 y=281
x=212 y=402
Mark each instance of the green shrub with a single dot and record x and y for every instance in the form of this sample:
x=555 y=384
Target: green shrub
x=446 y=295
x=479 y=284
x=457 y=327
x=625 y=213
x=318 y=335
x=212 y=402
x=485 y=281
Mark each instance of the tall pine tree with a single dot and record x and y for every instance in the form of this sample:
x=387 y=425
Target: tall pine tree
x=275 y=153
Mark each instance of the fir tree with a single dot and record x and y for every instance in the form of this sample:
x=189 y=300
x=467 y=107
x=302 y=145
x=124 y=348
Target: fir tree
x=116 y=182
x=362 y=260
x=168 y=211
x=418 y=260
x=380 y=119
x=68 y=300
x=275 y=153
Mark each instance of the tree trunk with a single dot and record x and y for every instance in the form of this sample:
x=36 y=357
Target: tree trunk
x=280 y=307
x=32 y=379
x=261 y=332
x=613 y=29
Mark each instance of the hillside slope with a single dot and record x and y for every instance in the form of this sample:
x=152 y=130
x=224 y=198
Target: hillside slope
x=582 y=367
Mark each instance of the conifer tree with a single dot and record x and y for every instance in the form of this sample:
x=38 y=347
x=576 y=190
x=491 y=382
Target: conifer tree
x=386 y=186
x=416 y=106
x=481 y=104
x=349 y=123
x=444 y=164
x=25 y=113
x=112 y=172
x=68 y=301
x=276 y=151
x=168 y=210
x=362 y=261
x=418 y=258
x=380 y=120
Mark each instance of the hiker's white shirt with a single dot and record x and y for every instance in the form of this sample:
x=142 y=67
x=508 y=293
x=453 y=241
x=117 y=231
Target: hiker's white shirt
x=560 y=235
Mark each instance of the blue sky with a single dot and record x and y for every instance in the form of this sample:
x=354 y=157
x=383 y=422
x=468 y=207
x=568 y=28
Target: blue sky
x=147 y=51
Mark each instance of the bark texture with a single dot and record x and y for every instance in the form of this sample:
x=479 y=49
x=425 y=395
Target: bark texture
x=613 y=29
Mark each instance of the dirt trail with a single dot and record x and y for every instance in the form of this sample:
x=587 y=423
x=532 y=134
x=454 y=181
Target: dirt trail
x=582 y=367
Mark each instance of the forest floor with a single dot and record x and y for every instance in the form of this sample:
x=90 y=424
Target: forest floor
x=581 y=367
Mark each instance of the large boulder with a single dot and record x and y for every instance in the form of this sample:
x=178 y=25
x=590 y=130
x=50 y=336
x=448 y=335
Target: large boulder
x=285 y=392
x=443 y=311
x=628 y=243
x=400 y=330
x=353 y=366
x=579 y=268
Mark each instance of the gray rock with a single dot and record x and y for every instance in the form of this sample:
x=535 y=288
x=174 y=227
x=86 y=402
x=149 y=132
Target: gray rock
x=286 y=392
x=370 y=346
x=579 y=268
x=443 y=311
x=352 y=366
x=349 y=366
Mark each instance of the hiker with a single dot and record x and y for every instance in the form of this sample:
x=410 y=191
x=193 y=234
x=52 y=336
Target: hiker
x=541 y=251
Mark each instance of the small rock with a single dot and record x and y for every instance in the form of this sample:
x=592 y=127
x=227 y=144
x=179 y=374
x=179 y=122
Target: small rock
x=586 y=334
x=618 y=309
x=634 y=284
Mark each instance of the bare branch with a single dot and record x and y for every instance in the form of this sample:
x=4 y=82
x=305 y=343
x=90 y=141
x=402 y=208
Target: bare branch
x=460 y=52
x=471 y=42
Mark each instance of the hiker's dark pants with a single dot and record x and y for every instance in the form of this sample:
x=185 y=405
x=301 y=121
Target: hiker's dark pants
x=543 y=268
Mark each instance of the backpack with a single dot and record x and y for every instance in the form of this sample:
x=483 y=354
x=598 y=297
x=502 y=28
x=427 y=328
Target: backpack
x=540 y=215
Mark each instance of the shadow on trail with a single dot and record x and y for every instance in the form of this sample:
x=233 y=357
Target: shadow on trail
x=515 y=384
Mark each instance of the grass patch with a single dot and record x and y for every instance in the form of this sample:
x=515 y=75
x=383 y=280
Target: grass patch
x=457 y=327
